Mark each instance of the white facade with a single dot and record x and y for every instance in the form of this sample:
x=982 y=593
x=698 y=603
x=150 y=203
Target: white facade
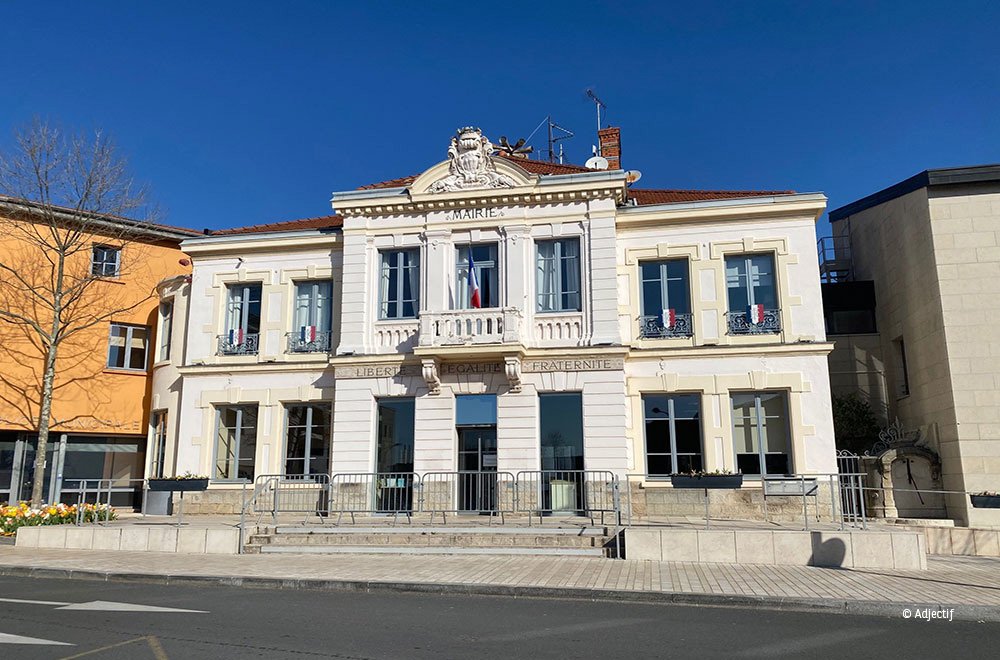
x=519 y=348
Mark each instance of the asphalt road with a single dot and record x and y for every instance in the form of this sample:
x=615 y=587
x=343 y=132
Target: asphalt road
x=98 y=620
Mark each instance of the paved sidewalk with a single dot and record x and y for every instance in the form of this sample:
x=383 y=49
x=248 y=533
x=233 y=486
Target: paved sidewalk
x=971 y=583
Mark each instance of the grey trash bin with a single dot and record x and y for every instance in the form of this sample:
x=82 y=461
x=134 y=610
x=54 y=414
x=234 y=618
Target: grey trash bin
x=159 y=503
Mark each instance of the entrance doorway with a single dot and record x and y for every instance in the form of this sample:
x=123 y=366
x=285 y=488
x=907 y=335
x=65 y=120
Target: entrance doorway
x=476 y=424
x=477 y=464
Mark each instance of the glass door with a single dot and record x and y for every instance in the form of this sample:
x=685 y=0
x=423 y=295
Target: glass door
x=477 y=464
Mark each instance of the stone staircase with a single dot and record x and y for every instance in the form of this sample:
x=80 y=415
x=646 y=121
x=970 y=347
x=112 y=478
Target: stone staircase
x=406 y=539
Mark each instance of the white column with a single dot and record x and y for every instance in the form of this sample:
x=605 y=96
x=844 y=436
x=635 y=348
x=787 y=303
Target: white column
x=604 y=281
x=356 y=299
x=517 y=431
x=438 y=269
x=434 y=443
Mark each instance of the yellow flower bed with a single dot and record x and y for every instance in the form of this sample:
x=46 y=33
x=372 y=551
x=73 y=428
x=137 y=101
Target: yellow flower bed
x=13 y=516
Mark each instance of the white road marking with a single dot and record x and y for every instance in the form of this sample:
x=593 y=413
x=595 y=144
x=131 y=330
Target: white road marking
x=108 y=606
x=31 y=602
x=6 y=638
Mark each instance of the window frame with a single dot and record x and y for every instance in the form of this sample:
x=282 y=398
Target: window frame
x=166 y=330
x=747 y=258
x=460 y=300
x=313 y=312
x=240 y=409
x=158 y=444
x=117 y=264
x=383 y=278
x=127 y=350
x=672 y=420
x=559 y=291
x=245 y=304
x=761 y=420
x=307 y=447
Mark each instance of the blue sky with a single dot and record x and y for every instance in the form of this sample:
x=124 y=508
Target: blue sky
x=245 y=112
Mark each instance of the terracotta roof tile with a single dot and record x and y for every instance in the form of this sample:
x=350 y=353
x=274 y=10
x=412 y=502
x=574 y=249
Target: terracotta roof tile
x=645 y=197
x=322 y=222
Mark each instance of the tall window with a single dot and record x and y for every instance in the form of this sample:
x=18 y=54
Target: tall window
x=760 y=433
x=666 y=304
x=307 y=445
x=243 y=308
x=158 y=446
x=399 y=295
x=127 y=347
x=902 y=372
x=105 y=261
x=673 y=434
x=396 y=418
x=561 y=430
x=235 y=443
x=166 y=329
x=484 y=260
x=557 y=278
x=752 y=293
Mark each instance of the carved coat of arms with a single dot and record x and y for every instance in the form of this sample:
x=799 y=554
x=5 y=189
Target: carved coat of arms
x=471 y=164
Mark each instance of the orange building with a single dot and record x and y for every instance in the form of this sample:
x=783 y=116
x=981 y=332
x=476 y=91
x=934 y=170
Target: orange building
x=100 y=419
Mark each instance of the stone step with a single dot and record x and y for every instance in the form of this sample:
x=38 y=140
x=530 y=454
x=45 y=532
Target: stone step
x=410 y=529
x=412 y=550
x=460 y=540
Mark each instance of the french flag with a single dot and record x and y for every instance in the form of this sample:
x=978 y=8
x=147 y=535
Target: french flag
x=236 y=336
x=755 y=314
x=474 y=300
x=669 y=318
x=307 y=334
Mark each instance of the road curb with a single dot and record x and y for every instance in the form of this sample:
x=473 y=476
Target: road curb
x=979 y=613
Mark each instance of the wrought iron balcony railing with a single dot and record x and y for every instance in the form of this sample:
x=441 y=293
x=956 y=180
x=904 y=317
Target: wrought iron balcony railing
x=299 y=344
x=740 y=323
x=230 y=344
x=653 y=327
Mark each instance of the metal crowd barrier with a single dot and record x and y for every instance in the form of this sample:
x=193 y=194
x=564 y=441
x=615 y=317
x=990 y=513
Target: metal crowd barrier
x=491 y=493
x=102 y=491
x=572 y=492
x=373 y=493
x=847 y=502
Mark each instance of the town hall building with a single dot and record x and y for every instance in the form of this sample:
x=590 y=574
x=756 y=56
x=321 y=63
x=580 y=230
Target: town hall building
x=501 y=314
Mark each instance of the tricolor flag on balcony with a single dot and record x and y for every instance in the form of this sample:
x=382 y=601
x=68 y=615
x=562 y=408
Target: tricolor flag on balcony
x=307 y=334
x=236 y=336
x=755 y=314
x=474 y=300
x=669 y=318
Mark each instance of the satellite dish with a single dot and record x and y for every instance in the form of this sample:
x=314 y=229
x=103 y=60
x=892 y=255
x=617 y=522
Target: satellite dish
x=632 y=176
x=596 y=163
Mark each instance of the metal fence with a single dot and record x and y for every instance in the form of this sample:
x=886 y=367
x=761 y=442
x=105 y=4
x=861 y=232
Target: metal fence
x=100 y=492
x=489 y=493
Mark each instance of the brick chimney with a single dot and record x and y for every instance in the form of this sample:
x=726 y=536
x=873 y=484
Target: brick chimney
x=610 y=140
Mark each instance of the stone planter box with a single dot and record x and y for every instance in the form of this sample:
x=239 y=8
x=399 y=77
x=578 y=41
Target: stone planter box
x=986 y=501
x=729 y=481
x=178 y=485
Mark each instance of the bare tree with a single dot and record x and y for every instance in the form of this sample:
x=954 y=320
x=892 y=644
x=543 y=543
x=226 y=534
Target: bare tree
x=65 y=193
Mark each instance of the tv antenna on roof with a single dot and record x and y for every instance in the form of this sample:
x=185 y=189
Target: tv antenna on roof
x=600 y=104
x=566 y=134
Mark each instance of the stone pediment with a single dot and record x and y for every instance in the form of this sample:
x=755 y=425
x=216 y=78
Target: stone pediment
x=471 y=167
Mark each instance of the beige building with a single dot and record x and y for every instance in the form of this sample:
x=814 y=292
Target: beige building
x=931 y=247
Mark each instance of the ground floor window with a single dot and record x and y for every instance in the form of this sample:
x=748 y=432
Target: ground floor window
x=307 y=439
x=158 y=446
x=673 y=433
x=395 y=435
x=561 y=430
x=235 y=443
x=760 y=433
x=394 y=455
